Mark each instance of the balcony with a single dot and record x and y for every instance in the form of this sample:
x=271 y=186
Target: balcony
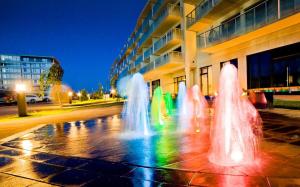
x=166 y=42
x=168 y=17
x=147 y=54
x=146 y=68
x=208 y=11
x=138 y=61
x=163 y=64
x=258 y=21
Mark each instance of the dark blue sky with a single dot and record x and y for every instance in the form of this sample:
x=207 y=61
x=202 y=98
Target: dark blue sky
x=84 y=35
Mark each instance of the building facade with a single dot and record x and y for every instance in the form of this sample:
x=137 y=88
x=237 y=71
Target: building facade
x=15 y=68
x=190 y=41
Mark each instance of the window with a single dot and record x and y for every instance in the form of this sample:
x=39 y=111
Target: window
x=155 y=84
x=178 y=80
x=231 y=26
x=275 y=68
x=206 y=80
x=232 y=61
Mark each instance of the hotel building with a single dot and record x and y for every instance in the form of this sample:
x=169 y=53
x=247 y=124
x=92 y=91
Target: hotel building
x=190 y=41
x=14 y=68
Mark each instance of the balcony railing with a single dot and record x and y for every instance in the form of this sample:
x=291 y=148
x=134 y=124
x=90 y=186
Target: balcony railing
x=164 y=59
x=171 y=9
x=174 y=55
x=200 y=11
x=146 y=68
x=172 y=34
x=138 y=60
x=148 y=53
x=258 y=16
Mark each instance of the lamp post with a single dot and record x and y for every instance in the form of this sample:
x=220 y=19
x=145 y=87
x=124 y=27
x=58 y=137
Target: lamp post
x=70 y=94
x=22 y=105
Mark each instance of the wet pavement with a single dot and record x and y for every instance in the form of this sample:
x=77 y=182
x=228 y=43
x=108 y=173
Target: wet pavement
x=97 y=153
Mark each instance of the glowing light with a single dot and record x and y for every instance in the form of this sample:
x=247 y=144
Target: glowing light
x=157 y=107
x=135 y=110
x=20 y=87
x=70 y=94
x=169 y=103
x=237 y=124
x=79 y=94
x=237 y=156
x=27 y=147
x=113 y=91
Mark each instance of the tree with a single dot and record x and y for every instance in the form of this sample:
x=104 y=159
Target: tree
x=54 y=79
x=84 y=95
x=44 y=83
x=55 y=74
x=100 y=91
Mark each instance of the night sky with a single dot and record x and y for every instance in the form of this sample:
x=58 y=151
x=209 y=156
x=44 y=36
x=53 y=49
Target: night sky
x=84 y=35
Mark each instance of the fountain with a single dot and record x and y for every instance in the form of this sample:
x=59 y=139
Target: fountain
x=122 y=86
x=135 y=111
x=169 y=103
x=199 y=108
x=157 y=107
x=191 y=106
x=237 y=125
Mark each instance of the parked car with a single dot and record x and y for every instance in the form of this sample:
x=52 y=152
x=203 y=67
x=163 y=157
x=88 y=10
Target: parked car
x=47 y=98
x=33 y=99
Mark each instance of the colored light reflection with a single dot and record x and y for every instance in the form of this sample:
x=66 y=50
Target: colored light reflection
x=27 y=147
x=237 y=124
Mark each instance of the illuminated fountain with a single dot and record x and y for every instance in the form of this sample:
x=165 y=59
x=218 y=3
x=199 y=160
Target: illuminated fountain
x=182 y=108
x=157 y=107
x=135 y=110
x=122 y=86
x=237 y=125
x=191 y=106
x=169 y=103
x=199 y=108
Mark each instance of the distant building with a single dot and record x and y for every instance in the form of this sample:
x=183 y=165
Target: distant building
x=190 y=40
x=26 y=68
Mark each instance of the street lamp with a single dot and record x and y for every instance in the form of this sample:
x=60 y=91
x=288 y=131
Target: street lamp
x=89 y=96
x=70 y=94
x=21 y=99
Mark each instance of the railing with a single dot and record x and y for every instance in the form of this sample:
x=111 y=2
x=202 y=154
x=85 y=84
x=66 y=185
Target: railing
x=146 y=22
x=148 y=53
x=174 y=33
x=138 y=60
x=140 y=38
x=200 y=11
x=258 y=16
x=157 y=6
x=146 y=68
x=123 y=73
x=170 y=9
x=174 y=55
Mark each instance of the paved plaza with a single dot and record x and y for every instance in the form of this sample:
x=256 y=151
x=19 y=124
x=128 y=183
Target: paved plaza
x=96 y=153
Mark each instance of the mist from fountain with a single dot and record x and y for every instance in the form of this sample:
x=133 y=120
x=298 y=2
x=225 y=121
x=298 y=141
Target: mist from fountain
x=157 y=107
x=191 y=106
x=236 y=129
x=169 y=103
x=135 y=111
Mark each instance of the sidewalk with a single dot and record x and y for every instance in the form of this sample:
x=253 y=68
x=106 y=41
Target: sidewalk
x=282 y=111
x=18 y=125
